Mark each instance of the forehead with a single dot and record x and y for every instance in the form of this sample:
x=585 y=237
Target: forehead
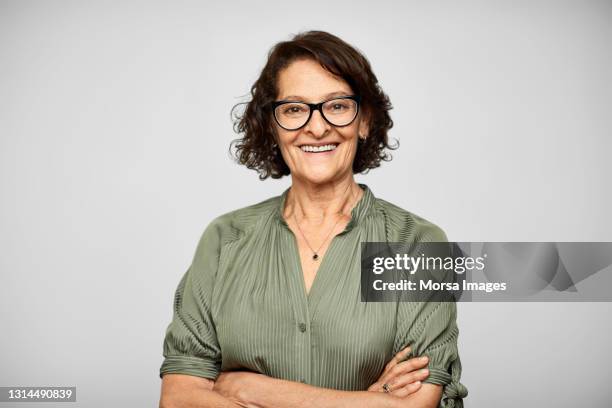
x=309 y=81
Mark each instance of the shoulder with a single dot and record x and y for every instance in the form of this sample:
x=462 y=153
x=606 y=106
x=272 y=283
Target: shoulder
x=405 y=226
x=235 y=224
x=227 y=228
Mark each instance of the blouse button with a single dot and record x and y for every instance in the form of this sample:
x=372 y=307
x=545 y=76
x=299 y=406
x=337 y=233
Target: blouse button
x=302 y=327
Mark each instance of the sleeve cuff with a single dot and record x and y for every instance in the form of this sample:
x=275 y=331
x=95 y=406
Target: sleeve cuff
x=453 y=391
x=438 y=376
x=191 y=366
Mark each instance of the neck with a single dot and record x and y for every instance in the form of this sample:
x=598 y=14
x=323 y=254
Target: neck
x=319 y=202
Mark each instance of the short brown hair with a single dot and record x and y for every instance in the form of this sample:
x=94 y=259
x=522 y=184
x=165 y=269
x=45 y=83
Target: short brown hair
x=257 y=148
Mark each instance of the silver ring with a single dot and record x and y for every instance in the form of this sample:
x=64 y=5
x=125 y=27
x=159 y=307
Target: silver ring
x=386 y=388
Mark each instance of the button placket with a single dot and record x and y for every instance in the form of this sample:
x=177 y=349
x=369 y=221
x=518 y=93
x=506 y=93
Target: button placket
x=306 y=352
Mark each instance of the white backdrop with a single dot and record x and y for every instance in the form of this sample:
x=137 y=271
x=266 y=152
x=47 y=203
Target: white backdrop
x=114 y=131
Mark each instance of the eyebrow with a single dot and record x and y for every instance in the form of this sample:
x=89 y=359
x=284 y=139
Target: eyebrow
x=329 y=95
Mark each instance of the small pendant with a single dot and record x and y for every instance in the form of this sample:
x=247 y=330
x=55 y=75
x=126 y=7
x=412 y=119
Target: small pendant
x=315 y=257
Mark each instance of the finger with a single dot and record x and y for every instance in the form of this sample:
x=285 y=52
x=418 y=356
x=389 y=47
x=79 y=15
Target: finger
x=407 y=379
x=404 y=380
x=399 y=368
x=398 y=358
x=407 y=390
x=399 y=380
x=403 y=368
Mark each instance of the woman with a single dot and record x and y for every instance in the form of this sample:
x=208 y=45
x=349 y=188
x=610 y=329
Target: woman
x=269 y=313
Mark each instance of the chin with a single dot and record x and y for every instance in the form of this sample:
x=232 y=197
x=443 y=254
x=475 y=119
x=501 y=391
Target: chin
x=318 y=179
x=321 y=177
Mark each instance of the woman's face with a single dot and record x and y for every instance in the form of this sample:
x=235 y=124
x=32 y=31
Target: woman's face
x=307 y=81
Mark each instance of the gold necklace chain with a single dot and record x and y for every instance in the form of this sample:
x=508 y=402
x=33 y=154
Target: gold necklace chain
x=315 y=254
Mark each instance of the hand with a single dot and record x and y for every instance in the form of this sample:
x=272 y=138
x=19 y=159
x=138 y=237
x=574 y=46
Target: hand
x=237 y=386
x=402 y=377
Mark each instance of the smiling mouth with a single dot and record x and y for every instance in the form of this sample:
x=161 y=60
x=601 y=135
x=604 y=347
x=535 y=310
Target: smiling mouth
x=319 y=149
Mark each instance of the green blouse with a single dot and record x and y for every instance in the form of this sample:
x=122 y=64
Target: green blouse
x=242 y=305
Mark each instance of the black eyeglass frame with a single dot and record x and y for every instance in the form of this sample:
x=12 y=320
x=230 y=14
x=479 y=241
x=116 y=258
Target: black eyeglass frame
x=317 y=106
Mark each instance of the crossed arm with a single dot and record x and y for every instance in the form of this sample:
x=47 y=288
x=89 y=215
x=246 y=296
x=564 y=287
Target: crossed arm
x=245 y=389
x=186 y=391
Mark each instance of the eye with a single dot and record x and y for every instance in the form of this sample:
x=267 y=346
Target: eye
x=293 y=109
x=339 y=106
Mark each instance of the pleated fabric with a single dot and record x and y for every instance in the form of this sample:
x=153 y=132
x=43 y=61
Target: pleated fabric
x=242 y=305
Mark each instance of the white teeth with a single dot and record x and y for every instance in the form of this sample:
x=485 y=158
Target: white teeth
x=315 y=149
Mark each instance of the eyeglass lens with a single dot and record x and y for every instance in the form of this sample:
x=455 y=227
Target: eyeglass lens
x=293 y=115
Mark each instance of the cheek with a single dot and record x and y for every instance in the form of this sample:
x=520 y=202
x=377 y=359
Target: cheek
x=284 y=139
x=350 y=140
x=349 y=151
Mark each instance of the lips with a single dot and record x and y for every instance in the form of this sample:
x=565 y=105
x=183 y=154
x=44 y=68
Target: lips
x=319 y=148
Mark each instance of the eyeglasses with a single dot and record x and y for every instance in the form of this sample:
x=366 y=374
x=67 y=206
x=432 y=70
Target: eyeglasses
x=294 y=115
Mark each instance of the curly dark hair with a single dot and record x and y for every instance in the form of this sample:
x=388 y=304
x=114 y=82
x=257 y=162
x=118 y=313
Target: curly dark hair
x=257 y=148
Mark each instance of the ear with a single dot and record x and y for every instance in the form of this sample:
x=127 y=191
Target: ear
x=274 y=136
x=364 y=125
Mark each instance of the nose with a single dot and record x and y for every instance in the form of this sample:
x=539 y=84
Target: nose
x=317 y=125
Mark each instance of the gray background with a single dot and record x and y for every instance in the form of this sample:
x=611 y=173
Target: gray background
x=114 y=128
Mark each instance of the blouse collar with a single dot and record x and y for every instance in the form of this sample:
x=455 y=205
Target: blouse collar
x=358 y=213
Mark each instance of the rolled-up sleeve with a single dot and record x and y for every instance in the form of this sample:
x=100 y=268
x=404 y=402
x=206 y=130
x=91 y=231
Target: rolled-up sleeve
x=430 y=328
x=190 y=343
